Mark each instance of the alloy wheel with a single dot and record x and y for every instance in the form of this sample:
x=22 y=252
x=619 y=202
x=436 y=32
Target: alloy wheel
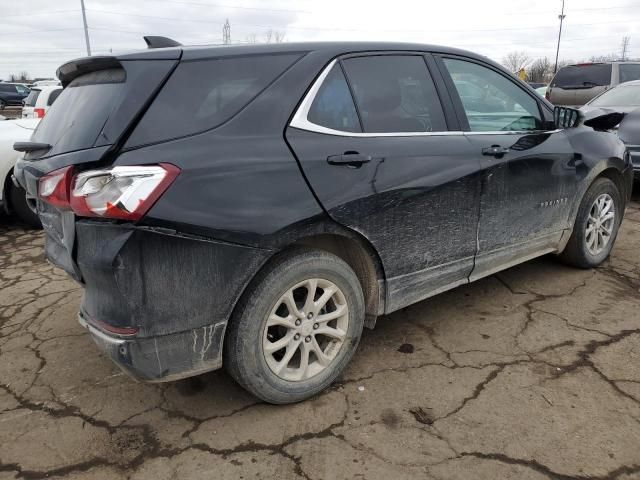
x=600 y=224
x=306 y=329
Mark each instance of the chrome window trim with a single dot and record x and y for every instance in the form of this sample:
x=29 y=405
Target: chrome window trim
x=300 y=120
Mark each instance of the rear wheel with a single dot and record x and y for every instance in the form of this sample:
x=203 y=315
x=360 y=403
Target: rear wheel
x=3 y=104
x=18 y=204
x=296 y=327
x=596 y=226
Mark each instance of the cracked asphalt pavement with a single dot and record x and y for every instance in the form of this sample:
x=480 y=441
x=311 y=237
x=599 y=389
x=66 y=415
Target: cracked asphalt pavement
x=530 y=374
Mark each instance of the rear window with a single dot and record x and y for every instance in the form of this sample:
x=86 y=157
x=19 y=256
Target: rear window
x=96 y=108
x=629 y=71
x=624 y=95
x=583 y=76
x=32 y=98
x=76 y=120
x=203 y=94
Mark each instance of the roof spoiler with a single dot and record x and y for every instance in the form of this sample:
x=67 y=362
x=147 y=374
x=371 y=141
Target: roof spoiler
x=70 y=70
x=160 y=42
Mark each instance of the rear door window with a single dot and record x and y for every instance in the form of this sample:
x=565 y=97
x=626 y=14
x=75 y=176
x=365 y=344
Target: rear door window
x=203 y=94
x=628 y=72
x=32 y=98
x=395 y=94
x=491 y=101
x=583 y=76
x=333 y=105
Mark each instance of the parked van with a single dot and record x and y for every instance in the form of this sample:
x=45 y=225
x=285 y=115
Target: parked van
x=575 y=85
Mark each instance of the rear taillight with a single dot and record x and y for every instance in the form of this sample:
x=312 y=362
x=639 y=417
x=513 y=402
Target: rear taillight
x=124 y=192
x=53 y=188
x=546 y=94
x=38 y=112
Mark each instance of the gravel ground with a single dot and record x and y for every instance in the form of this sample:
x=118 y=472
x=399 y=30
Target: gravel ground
x=532 y=373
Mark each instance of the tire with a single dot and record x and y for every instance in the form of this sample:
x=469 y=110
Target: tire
x=577 y=252
x=251 y=332
x=3 y=104
x=18 y=204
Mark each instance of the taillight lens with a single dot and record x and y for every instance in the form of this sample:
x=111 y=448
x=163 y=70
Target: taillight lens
x=38 y=112
x=53 y=188
x=546 y=94
x=123 y=192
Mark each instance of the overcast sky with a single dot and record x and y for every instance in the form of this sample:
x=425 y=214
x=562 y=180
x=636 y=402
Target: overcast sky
x=38 y=35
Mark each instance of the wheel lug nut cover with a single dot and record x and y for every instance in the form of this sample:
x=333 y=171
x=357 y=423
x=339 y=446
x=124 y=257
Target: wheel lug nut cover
x=310 y=315
x=297 y=336
x=315 y=326
x=307 y=339
x=298 y=322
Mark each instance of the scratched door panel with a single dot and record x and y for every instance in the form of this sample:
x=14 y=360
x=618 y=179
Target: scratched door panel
x=416 y=202
x=526 y=197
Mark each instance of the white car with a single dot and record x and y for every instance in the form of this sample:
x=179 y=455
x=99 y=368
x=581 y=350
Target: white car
x=12 y=197
x=39 y=100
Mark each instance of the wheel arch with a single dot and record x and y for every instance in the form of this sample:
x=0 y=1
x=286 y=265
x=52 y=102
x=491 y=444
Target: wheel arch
x=362 y=257
x=346 y=244
x=608 y=171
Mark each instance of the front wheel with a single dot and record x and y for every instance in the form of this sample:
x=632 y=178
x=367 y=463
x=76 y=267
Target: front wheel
x=596 y=225
x=296 y=327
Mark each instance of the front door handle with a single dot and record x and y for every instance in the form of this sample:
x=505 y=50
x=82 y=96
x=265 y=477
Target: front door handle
x=495 y=151
x=351 y=159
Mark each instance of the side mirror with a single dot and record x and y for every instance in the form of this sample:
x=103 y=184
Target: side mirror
x=565 y=117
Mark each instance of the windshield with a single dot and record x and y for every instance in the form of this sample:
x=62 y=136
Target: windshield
x=583 y=76
x=623 y=95
x=629 y=71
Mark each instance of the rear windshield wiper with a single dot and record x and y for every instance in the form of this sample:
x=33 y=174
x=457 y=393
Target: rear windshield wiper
x=30 y=146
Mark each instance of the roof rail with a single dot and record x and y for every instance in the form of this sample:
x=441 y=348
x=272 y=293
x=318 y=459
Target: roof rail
x=160 y=42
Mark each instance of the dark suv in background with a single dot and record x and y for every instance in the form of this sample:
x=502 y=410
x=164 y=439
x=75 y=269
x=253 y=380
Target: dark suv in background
x=575 y=85
x=12 y=94
x=258 y=205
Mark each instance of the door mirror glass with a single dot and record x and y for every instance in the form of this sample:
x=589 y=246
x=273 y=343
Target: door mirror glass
x=565 y=117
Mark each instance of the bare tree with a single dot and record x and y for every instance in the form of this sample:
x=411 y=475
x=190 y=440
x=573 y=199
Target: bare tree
x=21 y=77
x=515 y=60
x=252 y=38
x=609 y=57
x=540 y=70
x=274 y=36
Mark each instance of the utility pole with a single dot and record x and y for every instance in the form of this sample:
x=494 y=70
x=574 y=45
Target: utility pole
x=561 y=17
x=226 y=33
x=624 y=49
x=86 y=30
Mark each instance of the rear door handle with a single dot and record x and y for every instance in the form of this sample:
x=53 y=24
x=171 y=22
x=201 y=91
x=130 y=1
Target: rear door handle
x=351 y=159
x=495 y=151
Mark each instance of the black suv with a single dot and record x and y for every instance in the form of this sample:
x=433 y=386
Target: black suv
x=12 y=95
x=258 y=205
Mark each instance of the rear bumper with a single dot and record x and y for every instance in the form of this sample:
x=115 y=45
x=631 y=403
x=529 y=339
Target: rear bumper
x=163 y=358
x=175 y=291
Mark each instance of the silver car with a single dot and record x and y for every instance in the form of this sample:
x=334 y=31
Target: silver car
x=624 y=98
x=575 y=85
